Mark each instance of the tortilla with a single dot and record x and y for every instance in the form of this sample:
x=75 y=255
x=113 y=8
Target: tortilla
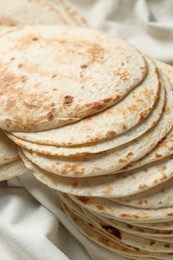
x=113 y=186
x=69 y=12
x=107 y=124
x=33 y=59
x=12 y=169
x=25 y=12
x=96 y=235
x=8 y=149
x=127 y=227
x=93 y=148
x=160 y=196
x=165 y=147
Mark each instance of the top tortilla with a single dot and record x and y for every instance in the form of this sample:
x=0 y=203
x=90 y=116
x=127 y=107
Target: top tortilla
x=51 y=76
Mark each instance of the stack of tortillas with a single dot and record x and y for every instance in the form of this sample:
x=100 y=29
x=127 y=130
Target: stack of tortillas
x=93 y=118
x=25 y=12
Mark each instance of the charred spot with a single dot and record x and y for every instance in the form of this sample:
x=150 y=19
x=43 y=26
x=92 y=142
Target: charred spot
x=20 y=65
x=10 y=104
x=84 y=66
x=129 y=226
x=167 y=245
x=112 y=230
x=142 y=186
x=35 y=39
x=68 y=100
x=83 y=199
x=29 y=105
x=100 y=207
x=158 y=155
x=152 y=242
x=49 y=116
x=91 y=225
x=170 y=214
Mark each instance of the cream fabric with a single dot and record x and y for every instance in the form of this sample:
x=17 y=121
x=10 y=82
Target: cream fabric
x=32 y=224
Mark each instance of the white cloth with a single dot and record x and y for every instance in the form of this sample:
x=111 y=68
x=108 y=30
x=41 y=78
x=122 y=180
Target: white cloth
x=32 y=224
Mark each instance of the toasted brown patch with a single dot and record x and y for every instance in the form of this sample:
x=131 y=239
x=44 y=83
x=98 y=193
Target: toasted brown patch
x=142 y=186
x=100 y=207
x=85 y=200
x=68 y=100
x=112 y=230
x=50 y=116
x=152 y=242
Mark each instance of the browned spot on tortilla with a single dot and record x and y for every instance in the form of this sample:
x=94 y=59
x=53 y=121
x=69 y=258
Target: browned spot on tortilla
x=122 y=160
x=85 y=200
x=35 y=39
x=158 y=155
x=112 y=230
x=142 y=185
x=7 y=21
x=20 y=65
x=50 y=116
x=129 y=226
x=84 y=66
x=68 y=100
x=29 y=105
x=143 y=115
x=100 y=207
x=152 y=242
x=124 y=126
x=167 y=245
x=75 y=184
x=129 y=154
x=10 y=104
x=104 y=240
x=110 y=134
x=170 y=214
x=91 y=225
x=107 y=191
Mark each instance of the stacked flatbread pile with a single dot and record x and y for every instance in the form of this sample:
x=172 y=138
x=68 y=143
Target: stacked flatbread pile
x=93 y=119
x=25 y=12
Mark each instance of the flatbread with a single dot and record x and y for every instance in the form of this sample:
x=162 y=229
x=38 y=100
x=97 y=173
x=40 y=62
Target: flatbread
x=12 y=169
x=33 y=59
x=113 y=186
x=69 y=12
x=8 y=149
x=165 y=147
x=96 y=235
x=160 y=196
x=129 y=228
x=111 y=122
x=93 y=148
x=114 y=210
x=166 y=226
x=25 y=12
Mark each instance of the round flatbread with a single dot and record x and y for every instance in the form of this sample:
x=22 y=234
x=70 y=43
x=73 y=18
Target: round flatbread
x=98 y=236
x=129 y=228
x=114 y=210
x=57 y=75
x=93 y=148
x=160 y=196
x=165 y=147
x=12 y=169
x=25 y=12
x=110 y=123
x=8 y=149
x=111 y=186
